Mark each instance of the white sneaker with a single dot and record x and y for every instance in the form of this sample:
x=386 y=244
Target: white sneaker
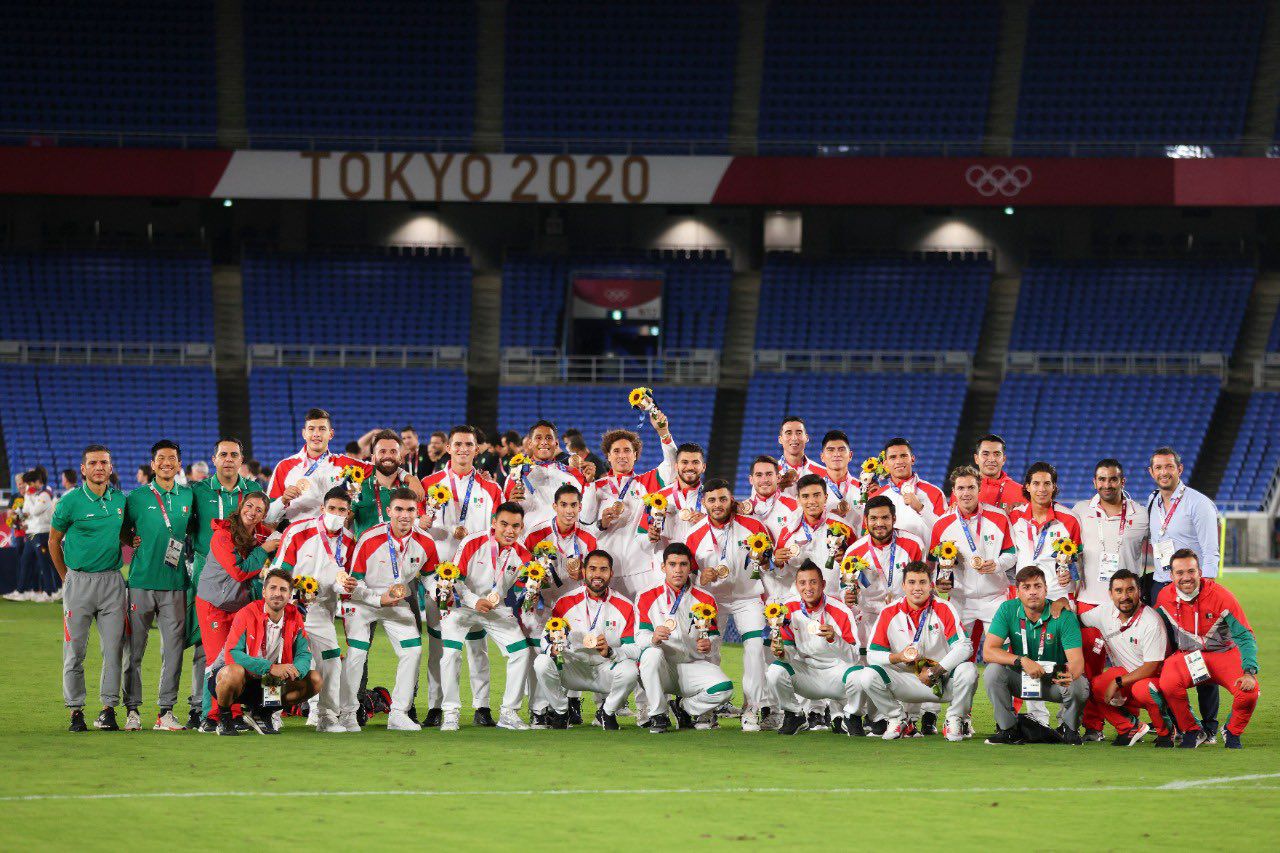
x=27 y=596
x=328 y=724
x=313 y=717
x=750 y=721
x=449 y=721
x=896 y=729
x=511 y=720
x=167 y=722
x=398 y=721
x=706 y=722
x=57 y=596
x=12 y=596
x=773 y=722
x=41 y=597
x=348 y=722
x=953 y=729
x=133 y=721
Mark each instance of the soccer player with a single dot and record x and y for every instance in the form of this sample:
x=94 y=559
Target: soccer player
x=370 y=508
x=1039 y=523
x=1215 y=644
x=807 y=538
x=1136 y=644
x=596 y=657
x=535 y=489
x=388 y=559
x=37 y=576
x=767 y=503
x=997 y=488
x=1113 y=531
x=917 y=504
x=887 y=549
x=156 y=520
x=919 y=654
x=724 y=566
x=675 y=655
x=794 y=464
x=84 y=543
x=301 y=481
x=684 y=497
x=322 y=548
x=267 y=663
x=489 y=564
x=614 y=504
x=815 y=653
x=1043 y=661
x=844 y=490
x=983 y=571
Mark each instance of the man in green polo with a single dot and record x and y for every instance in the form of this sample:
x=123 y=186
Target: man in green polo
x=1043 y=660
x=371 y=505
x=84 y=543
x=156 y=521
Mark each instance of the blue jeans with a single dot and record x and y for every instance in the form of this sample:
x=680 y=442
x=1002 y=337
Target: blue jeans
x=1207 y=693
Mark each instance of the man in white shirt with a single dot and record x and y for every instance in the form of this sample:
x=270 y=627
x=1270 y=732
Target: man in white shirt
x=767 y=503
x=794 y=464
x=918 y=503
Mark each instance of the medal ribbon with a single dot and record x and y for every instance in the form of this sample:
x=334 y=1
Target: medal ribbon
x=466 y=501
x=893 y=550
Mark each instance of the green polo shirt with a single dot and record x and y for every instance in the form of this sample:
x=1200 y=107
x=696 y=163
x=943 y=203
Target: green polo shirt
x=92 y=528
x=142 y=515
x=1011 y=623
x=213 y=502
x=364 y=511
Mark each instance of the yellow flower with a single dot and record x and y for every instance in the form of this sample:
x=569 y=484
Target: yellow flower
x=836 y=528
x=946 y=551
x=519 y=460
x=545 y=548
x=440 y=494
x=354 y=473
x=758 y=543
x=310 y=586
x=656 y=501
x=852 y=564
x=1066 y=547
x=773 y=610
x=534 y=572
x=637 y=396
x=18 y=502
x=447 y=572
x=555 y=624
x=702 y=610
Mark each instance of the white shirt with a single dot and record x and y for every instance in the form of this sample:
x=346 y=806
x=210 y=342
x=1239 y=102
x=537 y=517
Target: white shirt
x=1104 y=550
x=37 y=511
x=273 y=641
x=1143 y=641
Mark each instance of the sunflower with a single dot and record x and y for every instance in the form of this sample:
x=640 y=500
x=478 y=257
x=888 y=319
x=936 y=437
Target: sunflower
x=545 y=548
x=758 y=543
x=556 y=624
x=656 y=501
x=297 y=582
x=309 y=586
x=18 y=502
x=440 y=494
x=534 y=573
x=447 y=572
x=837 y=528
x=519 y=460
x=870 y=465
x=774 y=611
x=353 y=473
x=852 y=564
x=946 y=551
x=637 y=396
x=1066 y=547
x=704 y=611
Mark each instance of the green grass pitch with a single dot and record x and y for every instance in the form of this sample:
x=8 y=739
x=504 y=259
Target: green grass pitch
x=584 y=788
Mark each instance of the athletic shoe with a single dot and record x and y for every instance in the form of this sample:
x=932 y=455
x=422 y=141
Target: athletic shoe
x=817 y=721
x=242 y=725
x=167 y=722
x=193 y=719
x=57 y=596
x=793 y=723
x=1070 y=736
x=750 y=721
x=449 y=720
x=227 y=726
x=1231 y=741
x=1164 y=742
x=208 y=726
x=770 y=719
x=107 y=721
x=1093 y=736
x=41 y=597
x=313 y=716
x=953 y=730
x=706 y=722
x=398 y=721
x=728 y=709
x=483 y=717
x=928 y=724
x=659 y=724
x=13 y=596
x=556 y=720
x=132 y=721
x=968 y=727
x=683 y=719
x=330 y=726
x=1006 y=737
x=609 y=722
x=261 y=723
x=853 y=726
x=1132 y=736
x=837 y=726
x=895 y=729
x=77 y=721
x=511 y=720
x=349 y=722
x=412 y=713
x=539 y=720
x=877 y=728
x=434 y=715
x=625 y=711
x=29 y=595
x=575 y=711
x=1210 y=737
x=1191 y=739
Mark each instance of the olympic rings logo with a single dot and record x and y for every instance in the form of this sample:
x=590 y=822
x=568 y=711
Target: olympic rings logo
x=1000 y=180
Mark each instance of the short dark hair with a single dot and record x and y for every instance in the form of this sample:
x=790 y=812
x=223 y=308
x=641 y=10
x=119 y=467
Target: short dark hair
x=576 y=444
x=543 y=422
x=1109 y=463
x=94 y=448
x=678 y=549
x=763 y=460
x=408 y=428
x=1165 y=450
x=37 y=475
x=339 y=492
x=1182 y=554
x=229 y=438
x=352 y=448
x=835 y=435
x=1122 y=575
x=404 y=494
x=567 y=489
x=572 y=432
x=386 y=435
x=1039 y=468
x=810 y=480
x=317 y=414
x=147 y=472
x=440 y=435
x=918 y=567
x=691 y=447
x=790 y=419
x=464 y=428
x=278 y=573
x=808 y=566
x=71 y=474
x=510 y=437
x=511 y=507
x=1027 y=573
x=598 y=552
x=255 y=467
x=877 y=502
x=897 y=441
x=989 y=437
x=717 y=483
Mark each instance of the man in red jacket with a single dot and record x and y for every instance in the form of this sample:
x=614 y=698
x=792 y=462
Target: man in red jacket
x=266 y=663
x=997 y=488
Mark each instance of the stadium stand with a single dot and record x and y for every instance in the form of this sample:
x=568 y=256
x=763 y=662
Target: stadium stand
x=1256 y=454
x=1107 y=306
x=106 y=296
x=137 y=71
x=879 y=71
x=1151 y=70
x=379 y=68
x=923 y=407
x=357 y=398
x=52 y=426
x=1073 y=421
x=594 y=409
x=659 y=73
x=362 y=299
x=850 y=304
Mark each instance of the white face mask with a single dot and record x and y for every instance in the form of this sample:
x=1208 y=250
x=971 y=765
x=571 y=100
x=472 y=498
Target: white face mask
x=1188 y=598
x=334 y=523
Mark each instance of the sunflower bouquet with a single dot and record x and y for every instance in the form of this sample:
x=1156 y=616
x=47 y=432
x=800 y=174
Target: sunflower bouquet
x=307 y=587
x=1066 y=550
x=556 y=633
x=838 y=534
x=775 y=616
x=946 y=553
x=872 y=469
x=439 y=495
x=641 y=398
x=656 y=508
x=852 y=568
x=761 y=548
x=447 y=575
x=534 y=575
x=703 y=615
x=353 y=474
x=545 y=553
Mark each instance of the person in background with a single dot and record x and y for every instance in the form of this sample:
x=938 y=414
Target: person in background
x=69 y=480
x=487 y=459
x=199 y=471
x=144 y=475
x=437 y=456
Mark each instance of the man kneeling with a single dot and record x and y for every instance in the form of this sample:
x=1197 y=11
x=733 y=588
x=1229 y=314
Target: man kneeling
x=815 y=650
x=918 y=653
x=600 y=655
x=266 y=663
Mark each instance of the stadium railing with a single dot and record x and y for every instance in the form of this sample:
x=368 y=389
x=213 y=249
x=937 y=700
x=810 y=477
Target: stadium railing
x=1098 y=363
x=538 y=366
x=868 y=361
x=351 y=355
x=1266 y=372
x=88 y=352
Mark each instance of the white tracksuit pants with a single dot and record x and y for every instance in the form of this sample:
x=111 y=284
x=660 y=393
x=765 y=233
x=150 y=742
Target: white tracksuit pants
x=748 y=616
x=793 y=681
x=501 y=625
x=617 y=678
x=701 y=684
x=402 y=631
x=477 y=645
x=888 y=688
x=327 y=657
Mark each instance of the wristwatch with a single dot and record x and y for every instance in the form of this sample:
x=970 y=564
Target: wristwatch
x=1119 y=681
x=1017 y=663
x=1252 y=671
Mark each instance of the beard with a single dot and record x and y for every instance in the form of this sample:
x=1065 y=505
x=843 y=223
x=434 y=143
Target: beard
x=598 y=586
x=387 y=467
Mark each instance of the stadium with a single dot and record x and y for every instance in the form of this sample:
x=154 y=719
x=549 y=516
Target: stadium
x=1049 y=226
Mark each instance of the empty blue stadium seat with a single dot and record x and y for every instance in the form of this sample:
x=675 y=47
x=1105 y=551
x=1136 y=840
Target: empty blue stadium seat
x=1256 y=456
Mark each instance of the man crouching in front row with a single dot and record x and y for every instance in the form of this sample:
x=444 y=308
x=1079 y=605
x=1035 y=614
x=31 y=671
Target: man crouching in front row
x=266 y=663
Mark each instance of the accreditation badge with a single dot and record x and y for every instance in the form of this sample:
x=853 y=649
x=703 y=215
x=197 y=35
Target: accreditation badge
x=1031 y=687
x=1108 y=566
x=173 y=552
x=271 y=696
x=1197 y=667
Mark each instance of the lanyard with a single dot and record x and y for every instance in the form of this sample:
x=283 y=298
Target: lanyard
x=1178 y=617
x=1026 y=638
x=316 y=463
x=839 y=493
x=1168 y=516
x=724 y=550
x=768 y=507
x=586 y=605
x=222 y=511
x=1103 y=518
x=898 y=488
x=573 y=537
x=924 y=620
x=809 y=531
x=621 y=493
x=1044 y=533
x=466 y=501
x=682 y=502
x=267 y=629
x=498 y=570
x=377 y=494
x=821 y=610
x=785 y=466
x=968 y=535
x=676 y=605
x=333 y=550
x=394 y=552
x=1134 y=619
x=893 y=549
x=160 y=501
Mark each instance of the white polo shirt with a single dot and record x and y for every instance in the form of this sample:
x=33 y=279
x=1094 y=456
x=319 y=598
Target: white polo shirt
x=1130 y=642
